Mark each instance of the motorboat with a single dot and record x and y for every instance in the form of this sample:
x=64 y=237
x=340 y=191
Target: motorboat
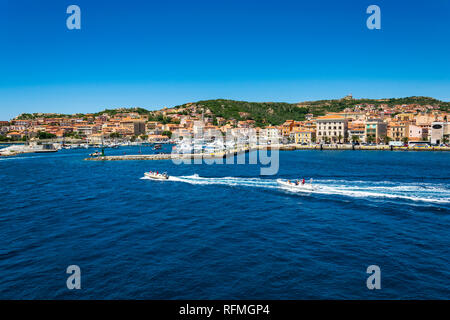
x=95 y=154
x=298 y=185
x=156 y=175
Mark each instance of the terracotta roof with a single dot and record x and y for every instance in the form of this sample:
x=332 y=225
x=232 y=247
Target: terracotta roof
x=330 y=117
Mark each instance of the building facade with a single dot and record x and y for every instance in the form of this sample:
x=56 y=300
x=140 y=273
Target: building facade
x=331 y=128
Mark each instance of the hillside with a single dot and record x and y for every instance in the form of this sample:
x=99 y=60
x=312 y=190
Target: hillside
x=277 y=112
x=264 y=113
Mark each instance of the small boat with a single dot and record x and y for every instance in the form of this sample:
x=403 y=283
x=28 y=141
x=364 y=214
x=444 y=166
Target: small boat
x=157 y=147
x=95 y=154
x=157 y=176
x=301 y=187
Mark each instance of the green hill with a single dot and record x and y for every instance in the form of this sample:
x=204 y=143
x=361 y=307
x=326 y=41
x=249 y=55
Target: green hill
x=264 y=113
x=275 y=113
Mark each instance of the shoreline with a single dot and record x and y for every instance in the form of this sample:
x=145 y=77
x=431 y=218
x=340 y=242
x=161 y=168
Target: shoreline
x=235 y=152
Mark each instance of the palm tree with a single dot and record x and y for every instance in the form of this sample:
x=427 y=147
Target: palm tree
x=405 y=140
x=370 y=138
x=355 y=139
x=386 y=139
x=339 y=138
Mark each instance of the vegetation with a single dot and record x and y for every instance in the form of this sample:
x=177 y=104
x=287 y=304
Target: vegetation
x=113 y=112
x=386 y=139
x=322 y=106
x=263 y=113
x=74 y=135
x=114 y=135
x=167 y=133
x=45 y=135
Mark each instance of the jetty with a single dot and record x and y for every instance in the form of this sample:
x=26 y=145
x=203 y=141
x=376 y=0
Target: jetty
x=281 y=147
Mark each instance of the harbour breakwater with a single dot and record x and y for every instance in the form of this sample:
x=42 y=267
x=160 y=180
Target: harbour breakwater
x=289 y=147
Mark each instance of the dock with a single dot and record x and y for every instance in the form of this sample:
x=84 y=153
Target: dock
x=288 y=147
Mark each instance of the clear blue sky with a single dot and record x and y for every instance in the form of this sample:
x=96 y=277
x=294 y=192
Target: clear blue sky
x=163 y=53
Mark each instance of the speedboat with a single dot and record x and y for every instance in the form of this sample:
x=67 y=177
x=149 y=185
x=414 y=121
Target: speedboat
x=157 y=176
x=301 y=187
x=95 y=154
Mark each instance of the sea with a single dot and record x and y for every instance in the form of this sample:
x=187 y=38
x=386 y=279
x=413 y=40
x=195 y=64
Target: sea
x=223 y=231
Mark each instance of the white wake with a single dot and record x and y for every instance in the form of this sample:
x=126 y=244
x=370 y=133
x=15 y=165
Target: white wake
x=425 y=192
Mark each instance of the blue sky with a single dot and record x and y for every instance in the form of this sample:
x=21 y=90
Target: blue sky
x=163 y=53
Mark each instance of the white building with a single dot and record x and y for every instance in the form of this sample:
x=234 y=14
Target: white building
x=440 y=131
x=331 y=128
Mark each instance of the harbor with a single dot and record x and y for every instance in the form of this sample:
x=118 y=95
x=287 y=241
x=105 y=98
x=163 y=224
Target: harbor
x=282 y=147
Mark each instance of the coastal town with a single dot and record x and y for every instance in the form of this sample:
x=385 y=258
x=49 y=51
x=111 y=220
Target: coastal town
x=359 y=124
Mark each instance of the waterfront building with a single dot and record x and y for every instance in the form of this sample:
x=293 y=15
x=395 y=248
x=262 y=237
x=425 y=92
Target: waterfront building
x=397 y=130
x=270 y=134
x=331 y=128
x=304 y=136
x=417 y=133
x=440 y=132
x=356 y=131
x=375 y=130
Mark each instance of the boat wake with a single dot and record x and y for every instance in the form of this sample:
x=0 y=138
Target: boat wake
x=385 y=190
x=423 y=192
x=228 y=181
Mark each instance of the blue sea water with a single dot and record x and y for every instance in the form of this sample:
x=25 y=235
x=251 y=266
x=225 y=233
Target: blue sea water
x=224 y=231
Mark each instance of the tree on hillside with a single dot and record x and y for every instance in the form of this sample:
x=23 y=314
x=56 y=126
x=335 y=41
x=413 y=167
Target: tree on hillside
x=45 y=135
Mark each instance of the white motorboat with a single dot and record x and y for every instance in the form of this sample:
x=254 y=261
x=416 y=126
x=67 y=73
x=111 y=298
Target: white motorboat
x=297 y=185
x=157 y=176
